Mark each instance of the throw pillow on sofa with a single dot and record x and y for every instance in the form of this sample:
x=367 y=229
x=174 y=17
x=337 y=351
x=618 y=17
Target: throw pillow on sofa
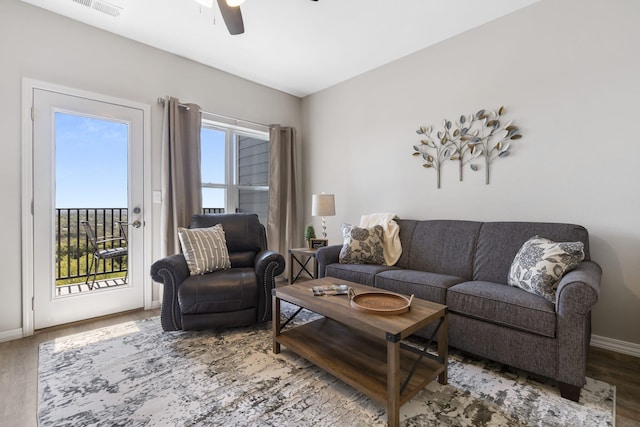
x=205 y=249
x=540 y=264
x=362 y=245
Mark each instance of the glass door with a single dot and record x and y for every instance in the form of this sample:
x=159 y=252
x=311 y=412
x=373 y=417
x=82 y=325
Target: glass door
x=87 y=208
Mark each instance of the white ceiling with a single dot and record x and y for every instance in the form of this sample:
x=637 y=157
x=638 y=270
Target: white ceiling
x=296 y=46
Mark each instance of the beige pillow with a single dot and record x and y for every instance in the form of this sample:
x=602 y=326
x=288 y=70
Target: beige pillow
x=205 y=249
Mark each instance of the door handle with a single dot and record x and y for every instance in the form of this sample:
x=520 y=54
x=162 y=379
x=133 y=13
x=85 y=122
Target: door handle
x=136 y=224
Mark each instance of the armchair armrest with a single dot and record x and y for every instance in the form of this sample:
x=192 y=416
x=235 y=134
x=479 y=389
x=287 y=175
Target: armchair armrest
x=265 y=258
x=173 y=265
x=170 y=271
x=325 y=256
x=268 y=265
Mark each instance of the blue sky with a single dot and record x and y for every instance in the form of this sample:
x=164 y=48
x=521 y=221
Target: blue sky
x=213 y=166
x=91 y=163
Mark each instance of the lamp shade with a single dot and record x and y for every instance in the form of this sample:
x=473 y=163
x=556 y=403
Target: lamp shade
x=323 y=205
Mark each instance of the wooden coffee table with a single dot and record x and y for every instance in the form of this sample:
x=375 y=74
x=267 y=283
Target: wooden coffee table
x=362 y=349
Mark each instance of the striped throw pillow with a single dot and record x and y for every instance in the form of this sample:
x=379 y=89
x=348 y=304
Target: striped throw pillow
x=205 y=249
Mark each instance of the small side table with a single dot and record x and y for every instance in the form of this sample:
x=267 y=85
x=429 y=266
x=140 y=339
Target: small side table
x=302 y=256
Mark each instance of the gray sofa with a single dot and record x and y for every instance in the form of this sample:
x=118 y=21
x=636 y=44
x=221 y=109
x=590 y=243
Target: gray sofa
x=465 y=265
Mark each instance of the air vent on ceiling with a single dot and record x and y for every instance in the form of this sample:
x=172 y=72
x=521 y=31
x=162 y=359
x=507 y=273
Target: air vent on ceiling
x=101 y=6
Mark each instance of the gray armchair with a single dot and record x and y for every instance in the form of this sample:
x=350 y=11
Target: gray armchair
x=239 y=296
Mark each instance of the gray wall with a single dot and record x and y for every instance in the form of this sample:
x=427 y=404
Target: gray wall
x=568 y=73
x=40 y=45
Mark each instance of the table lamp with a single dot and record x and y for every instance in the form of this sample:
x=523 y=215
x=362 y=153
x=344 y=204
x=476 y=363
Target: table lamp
x=323 y=205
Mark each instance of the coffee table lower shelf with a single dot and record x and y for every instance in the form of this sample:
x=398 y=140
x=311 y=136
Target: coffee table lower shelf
x=357 y=359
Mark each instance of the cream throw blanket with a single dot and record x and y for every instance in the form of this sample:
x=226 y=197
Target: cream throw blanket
x=392 y=249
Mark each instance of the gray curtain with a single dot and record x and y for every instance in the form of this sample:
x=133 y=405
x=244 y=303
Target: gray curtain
x=284 y=228
x=181 y=181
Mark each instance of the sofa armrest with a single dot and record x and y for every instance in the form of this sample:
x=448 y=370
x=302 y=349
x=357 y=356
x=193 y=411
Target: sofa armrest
x=577 y=292
x=325 y=256
x=579 y=289
x=170 y=271
x=268 y=265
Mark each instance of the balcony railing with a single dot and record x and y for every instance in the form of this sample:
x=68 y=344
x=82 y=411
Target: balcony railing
x=212 y=210
x=73 y=250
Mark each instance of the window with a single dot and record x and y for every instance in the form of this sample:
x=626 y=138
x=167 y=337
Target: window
x=235 y=170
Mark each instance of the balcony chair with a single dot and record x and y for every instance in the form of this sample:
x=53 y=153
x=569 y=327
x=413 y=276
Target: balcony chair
x=124 y=234
x=99 y=253
x=124 y=230
x=235 y=296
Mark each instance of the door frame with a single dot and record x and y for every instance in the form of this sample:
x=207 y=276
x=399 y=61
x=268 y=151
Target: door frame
x=28 y=87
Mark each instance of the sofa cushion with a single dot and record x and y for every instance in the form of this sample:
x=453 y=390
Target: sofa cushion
x=504 y=305
x=219 y=292
x=540 y=264
x=424 y=285
x=407 y=226
x=362 y=245
x=499 y=242
x=205 y=249
x=359 y=273
x=439 y=246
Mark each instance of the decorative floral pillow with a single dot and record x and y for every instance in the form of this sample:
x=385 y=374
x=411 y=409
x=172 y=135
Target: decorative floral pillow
x=362 y=245
x=205 y=249
x=540 y=264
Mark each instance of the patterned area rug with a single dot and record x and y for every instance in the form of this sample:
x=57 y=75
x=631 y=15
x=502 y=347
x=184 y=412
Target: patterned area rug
x=134 y=374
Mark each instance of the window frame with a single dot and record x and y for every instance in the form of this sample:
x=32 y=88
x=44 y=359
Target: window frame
x=231 y=187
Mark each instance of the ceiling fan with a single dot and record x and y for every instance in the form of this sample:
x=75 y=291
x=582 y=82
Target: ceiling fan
x=231 y=14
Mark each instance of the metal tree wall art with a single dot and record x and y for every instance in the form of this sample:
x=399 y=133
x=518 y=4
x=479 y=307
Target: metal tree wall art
x=484 y=134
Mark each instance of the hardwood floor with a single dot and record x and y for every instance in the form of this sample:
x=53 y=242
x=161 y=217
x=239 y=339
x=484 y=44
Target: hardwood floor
x=19 y=367
x=624 y=372
x=19 y=373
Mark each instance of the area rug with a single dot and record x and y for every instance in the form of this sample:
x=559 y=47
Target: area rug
x=134 y=374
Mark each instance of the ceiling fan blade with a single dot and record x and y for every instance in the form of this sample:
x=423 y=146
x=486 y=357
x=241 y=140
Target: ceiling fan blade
x=232 y=17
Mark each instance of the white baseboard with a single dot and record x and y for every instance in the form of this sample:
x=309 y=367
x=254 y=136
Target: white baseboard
x=155 y=304
x=618 y=346
x=11 y=335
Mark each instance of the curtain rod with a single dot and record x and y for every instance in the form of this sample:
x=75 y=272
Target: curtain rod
x=162 y=101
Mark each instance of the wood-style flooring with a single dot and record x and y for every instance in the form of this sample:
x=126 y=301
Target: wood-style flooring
x=19 y=373
x=624 y=372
